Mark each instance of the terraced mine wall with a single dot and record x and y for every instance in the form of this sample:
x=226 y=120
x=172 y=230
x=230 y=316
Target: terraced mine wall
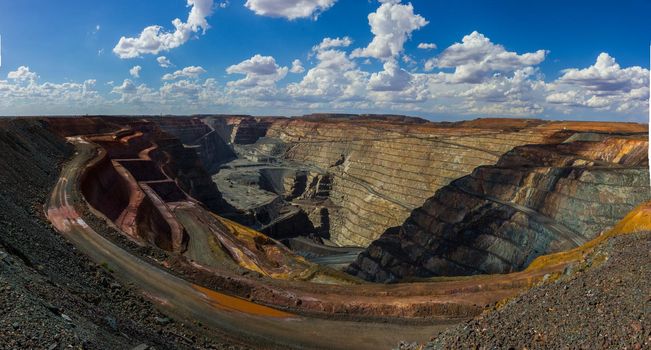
x=137 y=213
x=380 y=170
x=537 y=199
x=156 y=229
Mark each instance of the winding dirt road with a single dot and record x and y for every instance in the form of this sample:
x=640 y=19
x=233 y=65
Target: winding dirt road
x=234 y=317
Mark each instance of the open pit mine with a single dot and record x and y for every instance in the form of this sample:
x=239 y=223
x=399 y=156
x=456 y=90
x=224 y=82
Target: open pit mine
x=323 y=232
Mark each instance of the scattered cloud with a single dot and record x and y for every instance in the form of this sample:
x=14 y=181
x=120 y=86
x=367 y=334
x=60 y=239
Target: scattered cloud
x=127 y=87
x=473 y=77
x=329 y=43
x=154 y=39
x=290 y=9
x=164 y=62
x=519 y=94
x=606 y=76
x=22 y=93
x=335 y=76
x=187 y=72
x=408 y=59
x=130 y=93
x=297 y=67
x=22 y=74
x=392 y=24
x=135 y=71
x=427 y=46
x=258 y=70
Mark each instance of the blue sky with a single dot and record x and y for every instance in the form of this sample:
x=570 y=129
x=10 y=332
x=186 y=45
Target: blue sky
x=549 y=59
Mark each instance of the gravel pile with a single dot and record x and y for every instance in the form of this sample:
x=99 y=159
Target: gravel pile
x=601 y=303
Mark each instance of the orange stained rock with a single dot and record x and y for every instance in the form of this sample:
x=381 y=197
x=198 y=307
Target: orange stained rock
x=245 y=242
x=639 y=219
x=228 y=302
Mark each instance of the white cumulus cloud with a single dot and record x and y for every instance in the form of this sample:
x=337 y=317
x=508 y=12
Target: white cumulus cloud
x=606 y=76
x=392 y=78
x=334 y=77
x=290 y=9
x=154 y=39
x=297 y=67
x=187 y=72
x=328 y=43
x=21 y=74
x=477 y=58
x=392 y=24
x=23 y=94
x=135 y=71
x=603 y=85
x=427 y=46
x=258 y=70
x=164 y=62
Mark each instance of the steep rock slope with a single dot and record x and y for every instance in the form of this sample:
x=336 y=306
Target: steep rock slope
x=536 y=200
x=136 y=187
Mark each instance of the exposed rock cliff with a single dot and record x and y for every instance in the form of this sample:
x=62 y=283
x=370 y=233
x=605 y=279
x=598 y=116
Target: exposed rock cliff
x=536 y=200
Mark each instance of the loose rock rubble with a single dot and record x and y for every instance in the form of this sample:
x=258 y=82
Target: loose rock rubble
x=603 y=303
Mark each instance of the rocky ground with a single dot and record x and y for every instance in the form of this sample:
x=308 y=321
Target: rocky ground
x=52 y=297
x=602 y=303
